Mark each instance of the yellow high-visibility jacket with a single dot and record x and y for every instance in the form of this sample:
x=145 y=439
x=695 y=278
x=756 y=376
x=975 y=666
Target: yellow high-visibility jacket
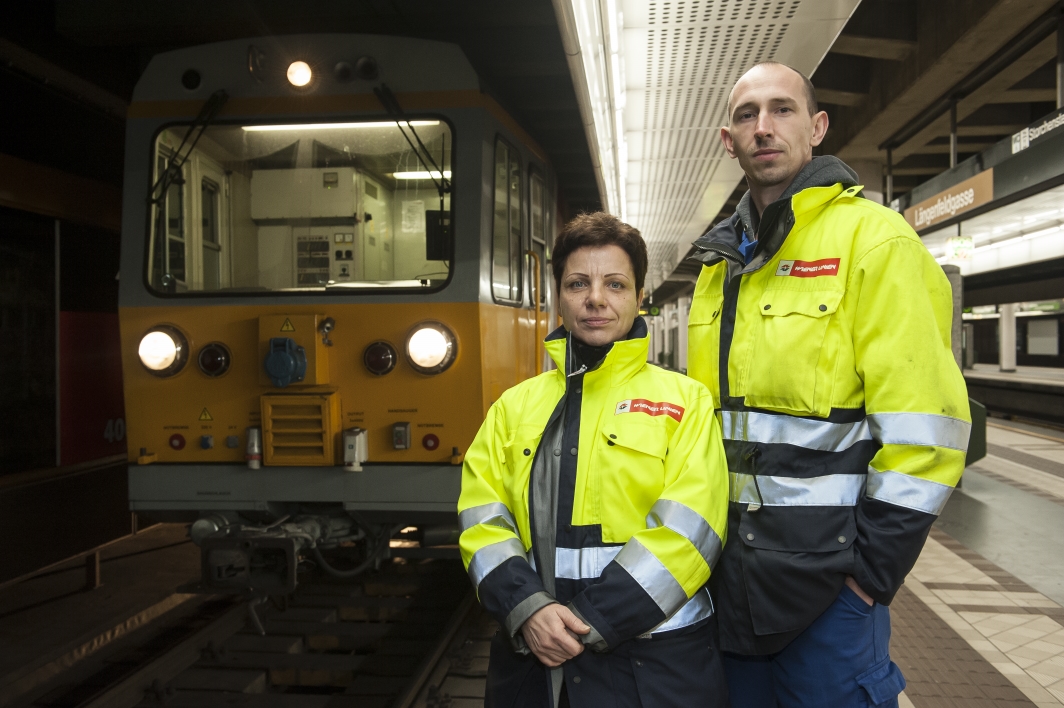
x=633 y=521
x=845 y=417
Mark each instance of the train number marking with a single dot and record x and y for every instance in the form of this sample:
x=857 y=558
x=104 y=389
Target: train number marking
x=287 y=326
x=115 y=430
x=205 y=415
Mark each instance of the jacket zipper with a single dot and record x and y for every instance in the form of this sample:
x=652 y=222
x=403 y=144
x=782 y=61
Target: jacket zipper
x=726 y=252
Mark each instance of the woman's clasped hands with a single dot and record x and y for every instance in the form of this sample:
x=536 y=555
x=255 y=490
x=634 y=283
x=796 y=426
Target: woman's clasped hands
x=553 y=634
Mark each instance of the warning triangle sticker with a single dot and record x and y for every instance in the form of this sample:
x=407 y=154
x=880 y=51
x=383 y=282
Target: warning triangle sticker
x=205 y=415
x=287 y=326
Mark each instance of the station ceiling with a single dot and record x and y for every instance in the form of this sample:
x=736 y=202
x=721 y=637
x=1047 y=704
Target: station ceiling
x=895 y=66
x=678 y=62
x=888 y=78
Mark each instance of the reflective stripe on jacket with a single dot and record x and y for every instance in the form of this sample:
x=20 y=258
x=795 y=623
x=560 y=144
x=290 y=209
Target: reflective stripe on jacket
x=641 y=496
x=844 y=415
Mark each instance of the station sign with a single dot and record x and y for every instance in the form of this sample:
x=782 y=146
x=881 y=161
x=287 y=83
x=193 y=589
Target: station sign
x=965 y=196
x=1034 y=134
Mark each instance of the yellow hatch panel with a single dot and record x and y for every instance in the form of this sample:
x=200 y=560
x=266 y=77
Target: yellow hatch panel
x=300 y=430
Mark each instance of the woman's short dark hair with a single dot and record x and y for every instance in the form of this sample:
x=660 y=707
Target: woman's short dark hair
x=600 y=229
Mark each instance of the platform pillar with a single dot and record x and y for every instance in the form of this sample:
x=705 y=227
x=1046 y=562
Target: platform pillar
x=956 y=283
x=889 y=186
x=1007 y=337
x=1060 y=62
x=92 y=571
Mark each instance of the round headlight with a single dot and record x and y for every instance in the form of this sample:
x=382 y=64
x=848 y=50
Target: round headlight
x=431 y=348
x=214 y=359
x=299 y=73
x=380 y=358
x=163 y=350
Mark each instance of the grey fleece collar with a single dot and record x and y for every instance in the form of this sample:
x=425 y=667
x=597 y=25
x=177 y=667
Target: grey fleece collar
x=772 y=228
x=822 y=171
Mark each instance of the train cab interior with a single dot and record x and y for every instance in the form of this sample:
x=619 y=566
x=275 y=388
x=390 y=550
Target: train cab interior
x=301 y=207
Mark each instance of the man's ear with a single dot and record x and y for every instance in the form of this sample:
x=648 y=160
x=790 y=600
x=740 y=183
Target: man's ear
x=820 y=128
x=729 y=144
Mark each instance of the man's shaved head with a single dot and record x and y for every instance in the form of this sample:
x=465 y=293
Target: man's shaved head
x=773 y=127
x=810 y=91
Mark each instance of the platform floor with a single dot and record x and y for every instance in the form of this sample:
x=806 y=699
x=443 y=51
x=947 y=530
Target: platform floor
x=979 y=621
x=1027 y=374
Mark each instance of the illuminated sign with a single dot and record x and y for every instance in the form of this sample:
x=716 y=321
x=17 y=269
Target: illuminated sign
x=969 y=194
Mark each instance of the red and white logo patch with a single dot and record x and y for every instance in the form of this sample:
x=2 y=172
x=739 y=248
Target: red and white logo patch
x=642 y=405
x=809 y=269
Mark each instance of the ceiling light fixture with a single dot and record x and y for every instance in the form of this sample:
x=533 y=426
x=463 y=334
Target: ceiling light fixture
x=334 y=126
x=421 y=175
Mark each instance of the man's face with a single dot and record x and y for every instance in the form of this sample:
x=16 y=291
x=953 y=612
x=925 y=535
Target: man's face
x=770 y=130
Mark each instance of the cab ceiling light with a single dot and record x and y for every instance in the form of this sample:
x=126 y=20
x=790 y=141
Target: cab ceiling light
x=421 y=175
x=163 y=350
x=335 y=126
x=431 y=348
x=299 y=74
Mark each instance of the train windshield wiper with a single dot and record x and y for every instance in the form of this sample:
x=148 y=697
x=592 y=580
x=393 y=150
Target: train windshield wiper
x=391 y=105
x=172 y=173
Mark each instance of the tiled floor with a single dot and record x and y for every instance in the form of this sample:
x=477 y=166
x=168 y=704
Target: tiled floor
x=967 y=632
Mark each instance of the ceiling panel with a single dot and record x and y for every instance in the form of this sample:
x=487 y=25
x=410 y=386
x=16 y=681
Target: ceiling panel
x=679 y=59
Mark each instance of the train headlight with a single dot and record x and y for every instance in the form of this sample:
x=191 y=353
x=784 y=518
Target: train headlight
x=299 y=74
x=431 y=348
x=163 y=350
x=380 y=358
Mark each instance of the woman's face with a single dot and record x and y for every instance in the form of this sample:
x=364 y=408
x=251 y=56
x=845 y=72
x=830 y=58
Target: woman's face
x=599 y=301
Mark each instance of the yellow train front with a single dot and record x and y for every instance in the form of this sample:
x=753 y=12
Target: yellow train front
x=334 y=259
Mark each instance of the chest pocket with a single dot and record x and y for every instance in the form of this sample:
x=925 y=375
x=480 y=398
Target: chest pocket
x=788 y=367
x=628 y=468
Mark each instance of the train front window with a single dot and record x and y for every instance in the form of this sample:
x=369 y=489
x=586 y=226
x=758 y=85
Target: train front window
x=540 y=222
x=301 y=207
x=506 y=226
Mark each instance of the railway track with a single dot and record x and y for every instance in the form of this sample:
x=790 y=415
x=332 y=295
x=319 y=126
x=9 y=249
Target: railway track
x=409 y=635
x=1040 y=401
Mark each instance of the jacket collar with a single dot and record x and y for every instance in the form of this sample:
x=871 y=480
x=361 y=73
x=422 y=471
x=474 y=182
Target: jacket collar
x=624 y=359
x=815 y=185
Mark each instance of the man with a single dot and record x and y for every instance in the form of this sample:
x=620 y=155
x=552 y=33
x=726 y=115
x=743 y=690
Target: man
x=821 y=325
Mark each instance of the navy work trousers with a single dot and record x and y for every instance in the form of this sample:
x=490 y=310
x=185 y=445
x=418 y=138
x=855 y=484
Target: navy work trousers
x=839 y=661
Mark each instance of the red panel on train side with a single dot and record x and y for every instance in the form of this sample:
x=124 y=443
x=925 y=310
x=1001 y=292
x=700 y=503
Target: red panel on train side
x=91 y=408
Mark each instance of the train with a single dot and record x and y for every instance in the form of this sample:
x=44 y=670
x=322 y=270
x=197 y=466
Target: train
x=335 y=257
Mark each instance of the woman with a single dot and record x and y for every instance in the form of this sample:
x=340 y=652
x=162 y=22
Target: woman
x=594 y=502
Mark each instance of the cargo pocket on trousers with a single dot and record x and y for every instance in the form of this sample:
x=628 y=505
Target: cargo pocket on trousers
x=882 y=683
